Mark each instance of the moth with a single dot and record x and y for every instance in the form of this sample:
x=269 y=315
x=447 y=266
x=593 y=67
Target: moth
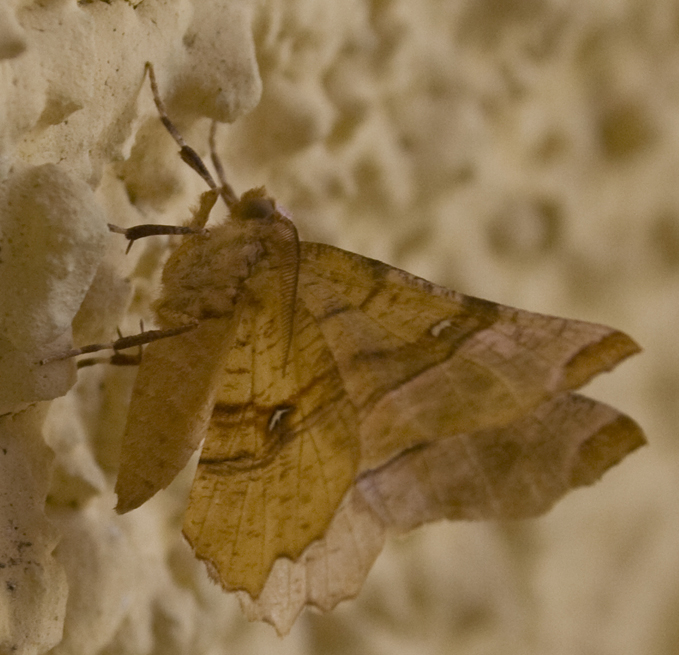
x=338 y=398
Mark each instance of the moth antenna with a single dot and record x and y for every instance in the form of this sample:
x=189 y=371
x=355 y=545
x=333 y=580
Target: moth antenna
x=289 y=277
x=226 y=191
x=186 y=152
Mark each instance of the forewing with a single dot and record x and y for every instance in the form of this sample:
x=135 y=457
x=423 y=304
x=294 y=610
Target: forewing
x=421 y=362
x=170 y=407
x=280 y=453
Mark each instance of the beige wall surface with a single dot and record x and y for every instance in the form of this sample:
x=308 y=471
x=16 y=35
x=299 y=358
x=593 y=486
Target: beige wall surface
x=524 y=151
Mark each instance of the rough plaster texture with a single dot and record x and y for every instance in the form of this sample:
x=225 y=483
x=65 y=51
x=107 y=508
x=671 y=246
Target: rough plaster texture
x=526 y=151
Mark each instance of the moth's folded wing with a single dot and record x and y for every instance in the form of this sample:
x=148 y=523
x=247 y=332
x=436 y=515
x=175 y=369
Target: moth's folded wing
x=515 y=471
x=280 y=453
x=330 y=570
x=169 y=410
x=421 y=362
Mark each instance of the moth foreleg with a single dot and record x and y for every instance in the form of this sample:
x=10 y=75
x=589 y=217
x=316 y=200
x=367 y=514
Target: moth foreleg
x=149 y=229
x=122 y=343
x=116 y=359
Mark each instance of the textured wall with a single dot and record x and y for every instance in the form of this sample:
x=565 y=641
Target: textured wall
x=526 y=151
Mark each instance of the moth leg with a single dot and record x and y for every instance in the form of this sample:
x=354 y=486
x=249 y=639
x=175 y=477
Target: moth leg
x=122 y=343
x=117 y=359
x=202 y=212
x=148 y=229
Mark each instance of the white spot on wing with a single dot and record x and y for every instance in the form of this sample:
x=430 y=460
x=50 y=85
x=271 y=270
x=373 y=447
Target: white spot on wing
x=436 y=330
x=277 y=416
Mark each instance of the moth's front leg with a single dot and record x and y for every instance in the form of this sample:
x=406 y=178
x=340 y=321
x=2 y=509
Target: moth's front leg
x=151 y=229
x=195 y=226
x=181 y=322
x=122 y=343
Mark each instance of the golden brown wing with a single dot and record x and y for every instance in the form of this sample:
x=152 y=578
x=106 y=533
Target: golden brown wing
x=281 y=451
x=330 y=570
x=515 y=471
x=473 y=420
x=169 y=410
x=420 y=362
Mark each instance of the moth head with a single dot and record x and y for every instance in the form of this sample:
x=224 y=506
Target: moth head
x=254 y=204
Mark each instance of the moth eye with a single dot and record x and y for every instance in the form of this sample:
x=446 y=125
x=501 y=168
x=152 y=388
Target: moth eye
x=258 y=208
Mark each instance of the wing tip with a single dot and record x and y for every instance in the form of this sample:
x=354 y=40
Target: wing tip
x=605 y=448
x=597 y=357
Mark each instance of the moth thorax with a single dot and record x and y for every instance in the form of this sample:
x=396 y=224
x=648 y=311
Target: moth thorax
x=203 y=278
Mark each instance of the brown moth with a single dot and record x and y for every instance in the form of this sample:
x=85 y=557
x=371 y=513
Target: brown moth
x=340 y=398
